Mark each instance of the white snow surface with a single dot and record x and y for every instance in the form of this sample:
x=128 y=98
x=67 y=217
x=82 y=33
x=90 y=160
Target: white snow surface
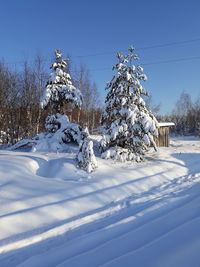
x=124 y=214
x=161 y=124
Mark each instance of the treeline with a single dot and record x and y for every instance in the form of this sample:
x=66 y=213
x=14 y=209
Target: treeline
x=21 y=116
x=20 y=92
x=186 y=116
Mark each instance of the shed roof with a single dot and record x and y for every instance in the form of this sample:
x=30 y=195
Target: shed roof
x=162 y=124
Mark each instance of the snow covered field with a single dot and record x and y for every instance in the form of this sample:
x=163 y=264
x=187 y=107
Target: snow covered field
x=124 y=214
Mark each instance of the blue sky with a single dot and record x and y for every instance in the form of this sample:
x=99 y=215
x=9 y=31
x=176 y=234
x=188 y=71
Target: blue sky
x=96 y=29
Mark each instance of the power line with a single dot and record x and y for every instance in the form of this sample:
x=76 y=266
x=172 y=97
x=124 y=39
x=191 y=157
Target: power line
x=172 y=60
x=145 y=47
x=151 y=63
x=140 y=48
x=157 y=62
x=170 y=44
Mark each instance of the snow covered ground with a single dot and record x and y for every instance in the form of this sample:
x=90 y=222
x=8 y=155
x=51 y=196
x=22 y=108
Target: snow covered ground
x=124 y=214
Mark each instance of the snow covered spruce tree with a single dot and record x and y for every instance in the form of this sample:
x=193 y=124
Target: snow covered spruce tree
x=59 y=88
x=128 y=125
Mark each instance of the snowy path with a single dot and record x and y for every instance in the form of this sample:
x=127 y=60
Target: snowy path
x=53 y=214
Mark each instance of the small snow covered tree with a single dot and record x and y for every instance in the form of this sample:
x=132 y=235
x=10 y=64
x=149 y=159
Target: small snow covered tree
x=85 y=157
x=128 y=125
x=59 y=88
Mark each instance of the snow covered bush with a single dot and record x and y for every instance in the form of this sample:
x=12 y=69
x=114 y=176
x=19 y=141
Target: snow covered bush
x=86 y=158
x=69 y=132
x=59 y=88
x=128 y=125
x=59 y=132
x=54 y=122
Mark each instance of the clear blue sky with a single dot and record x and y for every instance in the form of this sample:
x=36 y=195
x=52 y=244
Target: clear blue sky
x=91 y=27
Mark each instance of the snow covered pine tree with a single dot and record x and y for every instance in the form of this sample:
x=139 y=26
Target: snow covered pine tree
x=128 y=125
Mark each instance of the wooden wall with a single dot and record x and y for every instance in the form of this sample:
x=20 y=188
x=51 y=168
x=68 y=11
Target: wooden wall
x=163 y=136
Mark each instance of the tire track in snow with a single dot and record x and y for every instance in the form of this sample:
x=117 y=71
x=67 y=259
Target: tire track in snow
x=124 y=245
x=109 y=192
x=111 y=214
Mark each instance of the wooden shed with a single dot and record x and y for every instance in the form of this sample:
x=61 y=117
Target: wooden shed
x=163 y=134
